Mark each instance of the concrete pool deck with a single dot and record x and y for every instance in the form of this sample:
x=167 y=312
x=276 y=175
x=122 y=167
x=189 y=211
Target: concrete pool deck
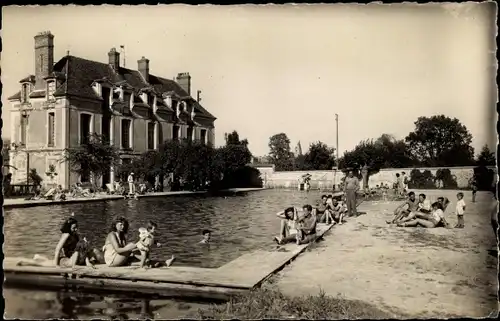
x=410 y=272
x=20 y=202
x=242 y=274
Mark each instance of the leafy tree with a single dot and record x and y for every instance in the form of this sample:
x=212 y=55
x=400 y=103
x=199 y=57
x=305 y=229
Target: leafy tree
x=365 y=152
x=233 y=138
x=395 y=152
x=146 y=166
x=440 y=141
x=486 y=157
x=280 y=153
x=94 y=157
x=233 y=160
x=319 y=157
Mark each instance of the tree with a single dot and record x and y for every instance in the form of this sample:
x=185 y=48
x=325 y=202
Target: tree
x=366 y=152
x=280 y=154
x=319 y=157
x=233 y=138
x=395 y=152
x=486 y=157
x=94 y=157
x=440 y=141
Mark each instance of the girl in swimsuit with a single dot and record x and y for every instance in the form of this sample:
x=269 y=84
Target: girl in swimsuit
x=69 y=250
x=116 y=251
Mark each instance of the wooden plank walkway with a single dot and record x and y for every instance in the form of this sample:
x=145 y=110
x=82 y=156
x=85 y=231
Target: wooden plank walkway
x=242 y=274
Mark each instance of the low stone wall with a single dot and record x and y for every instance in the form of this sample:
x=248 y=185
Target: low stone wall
x=326 y=179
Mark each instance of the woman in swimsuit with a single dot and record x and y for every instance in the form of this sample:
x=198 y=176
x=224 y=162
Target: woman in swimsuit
x=116 y=251
x=69 y=249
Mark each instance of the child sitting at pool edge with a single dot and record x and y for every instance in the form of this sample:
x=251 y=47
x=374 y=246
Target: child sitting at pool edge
x=146 y=241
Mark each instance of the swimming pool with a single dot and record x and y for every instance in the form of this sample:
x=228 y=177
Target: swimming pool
x=239 y=224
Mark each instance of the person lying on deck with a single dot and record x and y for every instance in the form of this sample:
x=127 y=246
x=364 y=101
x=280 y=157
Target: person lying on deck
x=435 y=219
x=405 y=209
x=288 y=231
x=306 y=226
x=70 y=250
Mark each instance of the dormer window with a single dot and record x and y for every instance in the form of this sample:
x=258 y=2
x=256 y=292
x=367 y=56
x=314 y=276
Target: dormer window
x=51 y=89
x=97 y=88
x=25 y=92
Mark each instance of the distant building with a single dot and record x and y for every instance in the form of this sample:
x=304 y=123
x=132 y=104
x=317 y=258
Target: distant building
x=62 y=103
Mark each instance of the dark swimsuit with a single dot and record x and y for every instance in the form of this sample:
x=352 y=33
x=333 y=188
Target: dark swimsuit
x=73 y=245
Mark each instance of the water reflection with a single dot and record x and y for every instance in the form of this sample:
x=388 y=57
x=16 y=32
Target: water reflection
x=29 y=304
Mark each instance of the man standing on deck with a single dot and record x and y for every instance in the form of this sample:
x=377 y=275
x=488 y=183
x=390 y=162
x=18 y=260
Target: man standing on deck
x=131 y=185
x=351 y=187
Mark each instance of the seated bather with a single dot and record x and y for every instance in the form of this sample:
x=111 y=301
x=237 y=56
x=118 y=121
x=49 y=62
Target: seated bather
x=70 y=250
x=288 y=230
x=444 y=202
x=424 y=205
x=306 y=226
x=117 y=252
x=405 y=209
x=339 y=209
x=323 y=211
x=434 y=219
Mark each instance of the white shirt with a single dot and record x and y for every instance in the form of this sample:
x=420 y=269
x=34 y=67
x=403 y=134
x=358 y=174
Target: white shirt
x=438 y=215
x=460 y=207
x=425 y=205
x=130 y=179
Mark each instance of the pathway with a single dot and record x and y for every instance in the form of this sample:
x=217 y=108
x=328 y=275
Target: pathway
x=409 y=271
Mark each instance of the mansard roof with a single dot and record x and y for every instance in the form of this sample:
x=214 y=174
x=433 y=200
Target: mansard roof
x=81 y=73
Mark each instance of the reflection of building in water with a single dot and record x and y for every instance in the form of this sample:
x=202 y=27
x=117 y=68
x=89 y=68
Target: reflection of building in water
x=62 y=103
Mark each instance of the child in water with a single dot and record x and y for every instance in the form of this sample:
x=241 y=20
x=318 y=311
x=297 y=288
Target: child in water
x=146 y=241
x=206 y=237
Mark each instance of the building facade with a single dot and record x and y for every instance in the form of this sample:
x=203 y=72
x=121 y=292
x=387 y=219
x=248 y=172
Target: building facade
x=62 y=103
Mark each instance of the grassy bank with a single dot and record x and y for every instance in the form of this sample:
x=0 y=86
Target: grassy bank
x=271 y=304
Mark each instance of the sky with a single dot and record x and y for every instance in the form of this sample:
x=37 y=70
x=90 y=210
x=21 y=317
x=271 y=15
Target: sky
x=269 y=69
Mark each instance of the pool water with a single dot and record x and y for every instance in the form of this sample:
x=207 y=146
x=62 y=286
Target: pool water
x=239 y=223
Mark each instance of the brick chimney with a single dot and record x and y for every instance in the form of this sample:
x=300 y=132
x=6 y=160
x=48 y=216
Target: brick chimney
x=44 y=57
x=114 y=59
x=184 y=80
x=143 y=67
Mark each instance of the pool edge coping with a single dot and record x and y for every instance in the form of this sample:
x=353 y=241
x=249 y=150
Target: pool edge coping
x=103 y=198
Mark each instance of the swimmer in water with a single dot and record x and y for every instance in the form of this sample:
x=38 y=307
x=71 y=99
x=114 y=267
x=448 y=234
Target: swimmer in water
x=206 y=237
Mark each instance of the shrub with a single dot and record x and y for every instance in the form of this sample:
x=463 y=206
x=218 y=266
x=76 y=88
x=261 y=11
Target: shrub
x=421 y=180
x=444 y=175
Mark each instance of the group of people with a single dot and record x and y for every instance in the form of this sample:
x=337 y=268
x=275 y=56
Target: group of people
x=73 y=250
x=420 y=212
x=300 y=226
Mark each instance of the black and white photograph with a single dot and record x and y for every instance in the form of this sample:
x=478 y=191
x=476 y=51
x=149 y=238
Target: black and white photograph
x=249 y=162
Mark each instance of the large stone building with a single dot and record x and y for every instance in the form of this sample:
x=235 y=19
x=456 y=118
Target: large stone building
x=62 y=103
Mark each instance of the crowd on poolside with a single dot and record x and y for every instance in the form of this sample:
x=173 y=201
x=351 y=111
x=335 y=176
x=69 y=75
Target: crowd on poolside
x=300 y=226
x=132 y=189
